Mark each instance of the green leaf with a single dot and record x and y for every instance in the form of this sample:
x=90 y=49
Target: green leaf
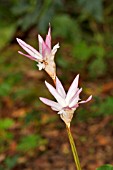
x=61 y=62
x=30 y=142
x=94 y=8
x=10 y=162
x=106 y=106
x=97 y=67
x=6 y=123
x=98 y=51
x=82 y=51
x=9 y=82
x=105 y=167
x=6 y=33
x=63 y=25
x=20 y=7
x=5 y=89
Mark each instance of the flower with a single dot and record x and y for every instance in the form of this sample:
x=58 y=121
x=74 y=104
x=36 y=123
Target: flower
x=45 y=56
x=66 y=103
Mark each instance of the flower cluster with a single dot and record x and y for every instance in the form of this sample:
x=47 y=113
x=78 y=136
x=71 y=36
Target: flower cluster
x=45 y=56
x=66 y=103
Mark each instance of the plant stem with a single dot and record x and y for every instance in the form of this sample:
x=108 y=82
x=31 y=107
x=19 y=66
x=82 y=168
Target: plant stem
x=73 y=148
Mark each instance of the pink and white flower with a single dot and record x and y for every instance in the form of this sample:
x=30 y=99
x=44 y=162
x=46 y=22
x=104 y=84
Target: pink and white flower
x=66 y=103
x=45 y=55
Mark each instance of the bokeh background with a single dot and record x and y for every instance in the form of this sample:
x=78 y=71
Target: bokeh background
x=32 y=136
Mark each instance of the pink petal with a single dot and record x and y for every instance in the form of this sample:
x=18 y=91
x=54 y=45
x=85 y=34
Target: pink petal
x=75 y=106
x=51 y=103
x=32 y=58
x=54 y=92
x=45 y=50
x=85 y=101
x=75 y=99
x=30 y=50
x=76 y=94
x=73 y=89
x=48 y=38
x=60 y=88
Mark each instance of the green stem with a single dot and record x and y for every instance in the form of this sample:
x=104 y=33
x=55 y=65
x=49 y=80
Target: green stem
x=74 y=151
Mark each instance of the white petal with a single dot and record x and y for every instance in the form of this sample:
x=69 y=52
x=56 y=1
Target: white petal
x=61 y=112
x=51 y=103
x=32 y=58
x=73 y=89
x=85 y=101
x=40 y=39
x=75 y=99
x=29 y=49
x=60 y=88
x=41 y=65
x=54 y=92
x=54 y=50
x=55 y=109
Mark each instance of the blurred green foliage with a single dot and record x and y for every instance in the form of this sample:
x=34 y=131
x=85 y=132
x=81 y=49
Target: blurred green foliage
x=84 y=24
x=103 y=107
x=6 y=123
x=105 y=167
x=5 y=134
x=30 y=142
x=10 y=162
